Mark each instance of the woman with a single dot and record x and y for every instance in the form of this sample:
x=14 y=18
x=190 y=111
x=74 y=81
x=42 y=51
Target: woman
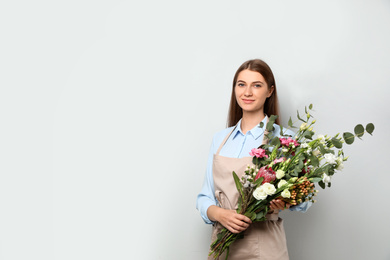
x=253 y=97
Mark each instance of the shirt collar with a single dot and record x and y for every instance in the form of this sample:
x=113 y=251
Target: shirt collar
x=256 y=131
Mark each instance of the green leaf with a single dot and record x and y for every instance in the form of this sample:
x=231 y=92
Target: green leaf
x=300 y=117
x=314 y=161
x=311 y=106
x=308 y=134
x=370 y=128
x=238 y=184
x=259 y=181
x=322 y=184
x=359 y=130
x=290 y=123
x=251 y=215
x=315 y=179
x=322 y=149
x=275 y=142
x=336 y=142
x=348 y=138
x=260 y=216
x=261 y=124
x=270 y=124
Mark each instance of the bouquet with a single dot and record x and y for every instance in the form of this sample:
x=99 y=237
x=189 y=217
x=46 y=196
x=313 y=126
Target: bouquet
x=287 y=168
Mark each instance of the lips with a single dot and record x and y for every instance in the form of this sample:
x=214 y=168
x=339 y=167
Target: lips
x=248 y=101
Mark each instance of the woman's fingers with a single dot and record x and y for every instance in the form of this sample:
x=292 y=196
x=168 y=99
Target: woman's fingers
x=235 y=222
x=279 y=204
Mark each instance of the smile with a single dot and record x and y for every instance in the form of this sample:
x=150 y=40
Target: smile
x=248 y=101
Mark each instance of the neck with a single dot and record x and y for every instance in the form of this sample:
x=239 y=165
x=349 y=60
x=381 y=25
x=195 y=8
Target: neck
x=250 y=120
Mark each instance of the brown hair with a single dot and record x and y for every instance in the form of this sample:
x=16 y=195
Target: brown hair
x=271 y=106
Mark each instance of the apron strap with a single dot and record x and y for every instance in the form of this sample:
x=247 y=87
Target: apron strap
x=224 y=140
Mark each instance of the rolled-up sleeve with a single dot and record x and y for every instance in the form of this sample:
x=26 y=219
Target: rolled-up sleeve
x=206 y=197
x=303 y=207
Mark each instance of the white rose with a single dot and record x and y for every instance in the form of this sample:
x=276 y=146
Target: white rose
x=285 y=150
x=280 y=174
x=259 y=193
x=282 y=183
x=286 y=194
x=330 y=158
x=269 y=189
x=326 y=178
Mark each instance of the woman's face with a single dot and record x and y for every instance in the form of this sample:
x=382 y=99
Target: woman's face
x=251 y=91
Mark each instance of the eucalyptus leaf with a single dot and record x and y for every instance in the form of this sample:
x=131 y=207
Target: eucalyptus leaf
x=336 y=142
x=261 y=124
x=308 y=134
x=370 y=128
x=281 y=131
x=359 y=130
x=349 y=138
x=275 y=141
x=314 y=160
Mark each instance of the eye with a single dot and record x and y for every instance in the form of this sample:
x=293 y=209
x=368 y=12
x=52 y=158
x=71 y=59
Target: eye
x=240 y=84
x=257 y=86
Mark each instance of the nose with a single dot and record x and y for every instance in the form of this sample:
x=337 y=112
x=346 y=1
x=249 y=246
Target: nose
x=248 y=91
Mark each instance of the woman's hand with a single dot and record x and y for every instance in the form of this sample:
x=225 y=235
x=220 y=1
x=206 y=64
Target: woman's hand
x=230 y=219
x=277 y=204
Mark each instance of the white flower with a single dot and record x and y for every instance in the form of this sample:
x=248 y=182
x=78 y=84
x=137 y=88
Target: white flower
x=282 y=183
x=340 y=167
x=280 y=174
x=326 y=178
x=286 y=194
x=303 y=126
x=285 y=150
x=321 y=138
x=304 y=145
x=269 y=189
x=316 y=152
x=259 y=193
x=330 y=158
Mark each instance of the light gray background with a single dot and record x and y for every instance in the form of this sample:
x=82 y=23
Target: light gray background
x=108 y=110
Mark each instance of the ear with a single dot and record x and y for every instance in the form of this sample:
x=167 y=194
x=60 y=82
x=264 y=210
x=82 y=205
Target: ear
x=270 y=91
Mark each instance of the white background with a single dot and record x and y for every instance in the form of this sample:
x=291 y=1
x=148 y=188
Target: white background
x=108 y=110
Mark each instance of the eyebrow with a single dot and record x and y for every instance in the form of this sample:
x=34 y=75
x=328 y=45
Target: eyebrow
x=252 y=82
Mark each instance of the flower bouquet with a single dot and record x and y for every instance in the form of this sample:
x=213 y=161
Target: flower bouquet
x=287 y=168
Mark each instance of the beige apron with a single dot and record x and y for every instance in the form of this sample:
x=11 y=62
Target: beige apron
x=264 y=240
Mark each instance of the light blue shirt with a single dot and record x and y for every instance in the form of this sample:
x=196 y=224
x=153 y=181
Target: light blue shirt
x=238 y=145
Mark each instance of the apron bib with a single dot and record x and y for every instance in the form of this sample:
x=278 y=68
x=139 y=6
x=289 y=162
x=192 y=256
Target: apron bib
x=265 y=240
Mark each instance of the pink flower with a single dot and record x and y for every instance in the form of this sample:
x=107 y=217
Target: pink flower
x=259 y=153
x=281 y=159
x=267 y=173
x=288 y=141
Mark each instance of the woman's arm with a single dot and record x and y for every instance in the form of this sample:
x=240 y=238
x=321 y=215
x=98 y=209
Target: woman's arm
x=206 y=197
